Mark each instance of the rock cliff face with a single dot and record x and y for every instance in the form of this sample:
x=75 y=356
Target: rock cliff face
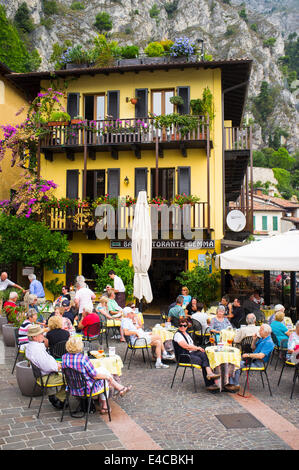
x=226 y=35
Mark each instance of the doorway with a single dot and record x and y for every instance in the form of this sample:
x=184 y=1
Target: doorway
x=166 y=265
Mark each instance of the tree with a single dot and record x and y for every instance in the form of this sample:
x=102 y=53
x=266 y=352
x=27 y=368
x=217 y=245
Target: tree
x=103 y=22
x=282 y=159
x=259 y=159
x=201 y=284
x=31 y=243
x=284 y=182
x=23 y=19
x=122 y=268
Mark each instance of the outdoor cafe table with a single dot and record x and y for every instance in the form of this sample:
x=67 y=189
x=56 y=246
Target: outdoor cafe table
x=116 y=322
x=227 y=334
x=267 y=312
x=113 y=364
x=163 y=333
x=223 y=362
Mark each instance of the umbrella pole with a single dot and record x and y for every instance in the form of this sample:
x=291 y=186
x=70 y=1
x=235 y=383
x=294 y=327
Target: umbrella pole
x=157 y=166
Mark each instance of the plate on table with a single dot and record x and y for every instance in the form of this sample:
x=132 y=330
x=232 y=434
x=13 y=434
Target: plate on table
x=96 y=354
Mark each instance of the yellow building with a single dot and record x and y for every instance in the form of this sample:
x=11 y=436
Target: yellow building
x=125 y=153
x=12 y=100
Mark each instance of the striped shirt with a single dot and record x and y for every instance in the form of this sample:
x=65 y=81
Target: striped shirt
x=82 y=364
x=23 y=330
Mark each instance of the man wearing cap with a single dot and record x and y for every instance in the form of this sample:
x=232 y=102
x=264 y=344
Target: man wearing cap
x=36 y=353
x=278 y=308
x=69 y=312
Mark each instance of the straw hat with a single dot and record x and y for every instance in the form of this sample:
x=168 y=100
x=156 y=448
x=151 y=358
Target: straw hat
x=34 y=330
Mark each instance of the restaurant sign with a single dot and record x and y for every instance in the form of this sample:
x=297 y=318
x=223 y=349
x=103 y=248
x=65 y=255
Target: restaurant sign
x=169 y=244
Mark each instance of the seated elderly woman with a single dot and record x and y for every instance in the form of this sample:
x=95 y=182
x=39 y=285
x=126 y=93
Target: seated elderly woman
x=75 y=359
x=10 y=305
x=278 y=328
x=31 y=318
x=220 y=322
x=56 y=333
x=104 y=310
x=32 y=303
x=183 y=344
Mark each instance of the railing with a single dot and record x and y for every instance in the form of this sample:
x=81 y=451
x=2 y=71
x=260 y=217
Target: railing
x=119 y=131
x=163 y=217
x=237 y=138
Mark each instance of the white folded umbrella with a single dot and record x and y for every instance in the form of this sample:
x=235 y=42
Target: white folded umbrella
x=142 y=248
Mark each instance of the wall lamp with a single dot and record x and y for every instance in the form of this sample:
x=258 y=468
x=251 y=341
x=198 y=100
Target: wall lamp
x=126 y=180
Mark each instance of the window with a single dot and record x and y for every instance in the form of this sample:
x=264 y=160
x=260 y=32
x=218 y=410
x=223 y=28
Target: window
x=95 y=186
x=166 y=183
x=161 y=103
x=264 y=222
x=275 y=223
x=94 y=107
x=73 y=104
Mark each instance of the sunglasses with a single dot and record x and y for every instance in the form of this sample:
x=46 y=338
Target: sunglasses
x=184 y=326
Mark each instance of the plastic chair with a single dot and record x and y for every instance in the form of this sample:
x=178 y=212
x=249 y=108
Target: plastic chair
x=286 y=362
x=93 y=333
x=18 y=350
x=263 y=370
x=76 y=382
x=142 y=345
x=183 y=360
x=200 y=337
x=246 y=344
x=43 y=384
x=103 y=330
x=58 y=350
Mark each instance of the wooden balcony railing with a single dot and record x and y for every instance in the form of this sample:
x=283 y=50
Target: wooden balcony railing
x=194 y=217
x=120 y=131
x=237 y=138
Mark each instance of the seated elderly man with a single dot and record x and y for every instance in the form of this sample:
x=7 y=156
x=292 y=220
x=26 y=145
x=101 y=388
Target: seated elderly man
x=10 y=305
x=249 y=330
x=89 y=317
x=113 y=307
x=134 y=332
x=184 y=344
x=36 y=353
x=177 y=311
x=262 y=348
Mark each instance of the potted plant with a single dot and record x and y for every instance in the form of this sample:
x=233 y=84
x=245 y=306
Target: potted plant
x=26 y=379
x=176 y=100
x=77 y=120
x=155 y=53
x=15 y=318
x=59 y=118
x=129 y=56
x=182 y=50
x=76 y=57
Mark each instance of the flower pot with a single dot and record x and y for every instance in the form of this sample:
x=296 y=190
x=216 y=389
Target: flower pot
x=58 y=123
x=129 y=61
x=26 y=380
x=175 y=137
x=8 y=332
x=3 y=321
x=76 y=66
x=155 y=60
x=76 y=121
x=134 y=100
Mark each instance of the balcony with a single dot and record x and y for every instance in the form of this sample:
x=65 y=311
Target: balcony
x=123 y=134
x=164 y=217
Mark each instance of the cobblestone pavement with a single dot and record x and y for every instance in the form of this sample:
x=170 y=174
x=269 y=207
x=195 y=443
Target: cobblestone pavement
x=176 y=419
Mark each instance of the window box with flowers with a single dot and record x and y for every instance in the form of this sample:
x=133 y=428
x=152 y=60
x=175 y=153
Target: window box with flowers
x=183 y=199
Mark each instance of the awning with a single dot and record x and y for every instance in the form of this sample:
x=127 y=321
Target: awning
x=276 y=253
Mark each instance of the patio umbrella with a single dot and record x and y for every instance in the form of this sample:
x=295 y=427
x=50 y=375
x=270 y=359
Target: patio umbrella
x=276 y=253
x=142 y=248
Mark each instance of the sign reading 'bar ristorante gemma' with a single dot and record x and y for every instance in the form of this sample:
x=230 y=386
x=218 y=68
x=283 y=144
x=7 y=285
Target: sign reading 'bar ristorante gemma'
x=174 y=244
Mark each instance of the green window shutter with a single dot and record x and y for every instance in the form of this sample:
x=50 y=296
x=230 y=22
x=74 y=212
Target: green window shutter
x=141 y=108
x=264 y=222
x=113 y=104
x=275 y=222
x=184 y=92
x=254 y=222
